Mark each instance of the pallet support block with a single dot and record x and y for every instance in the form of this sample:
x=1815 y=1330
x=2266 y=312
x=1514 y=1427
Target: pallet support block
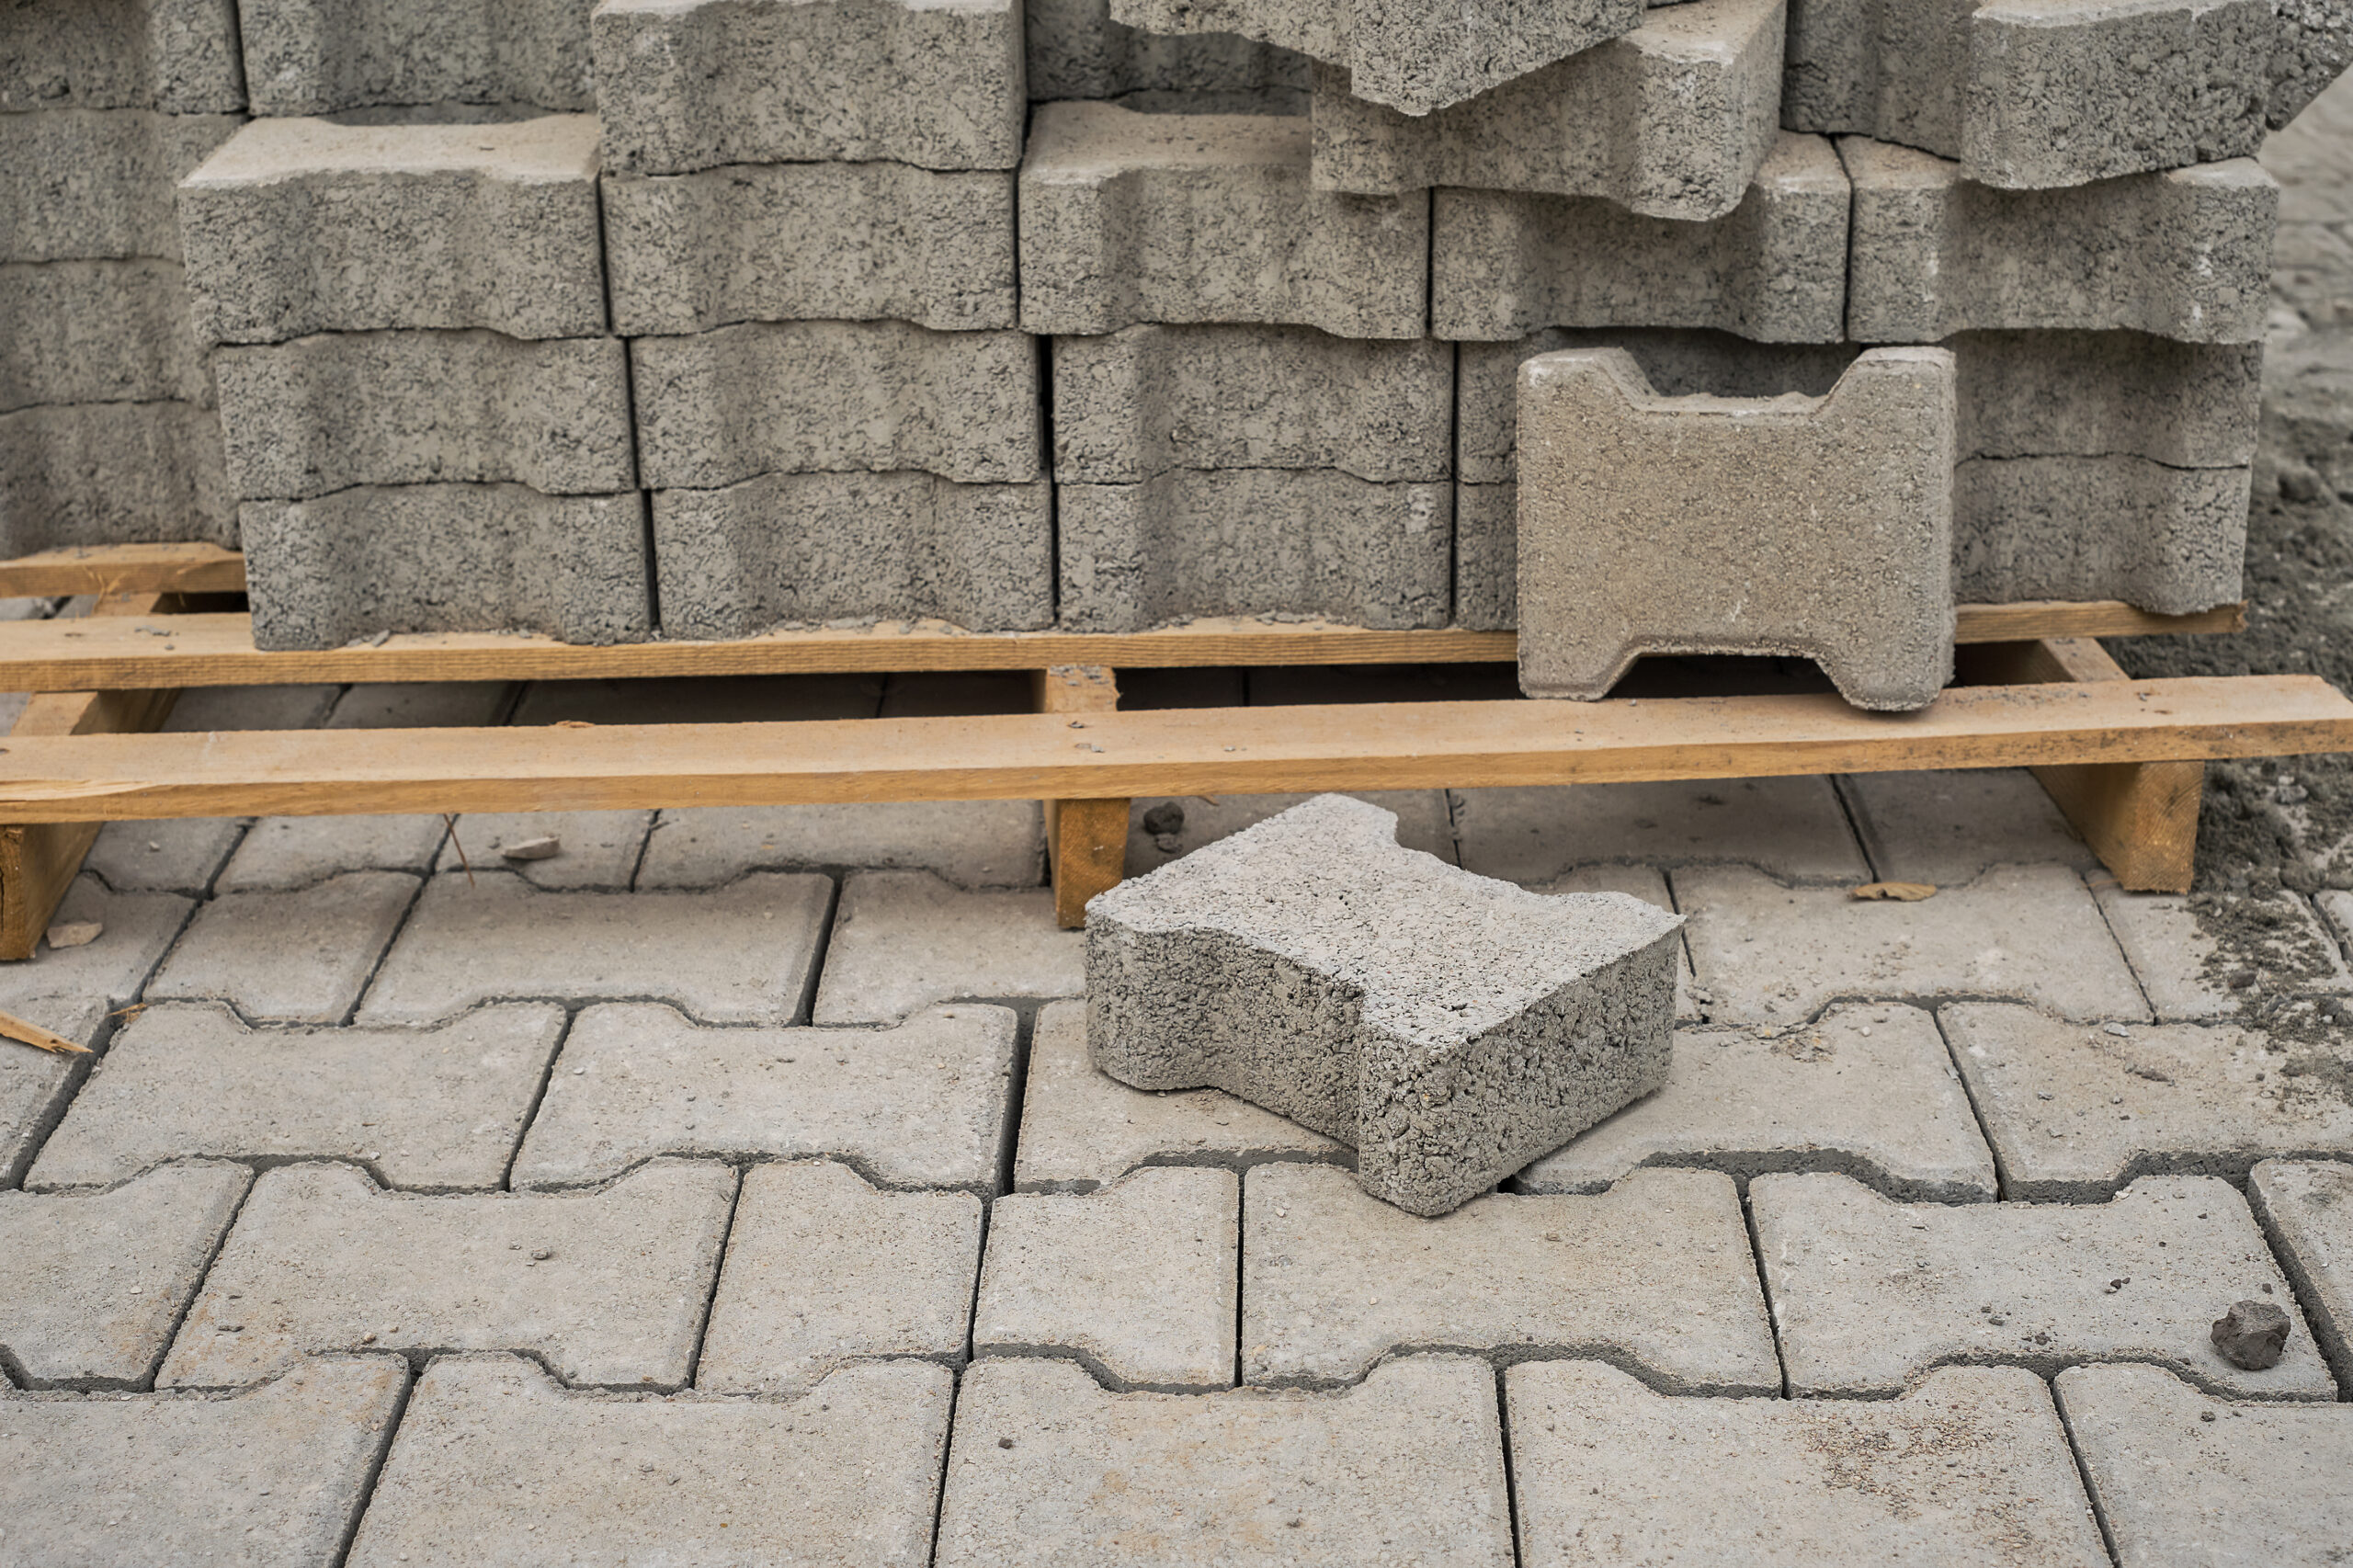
x=1086 y=840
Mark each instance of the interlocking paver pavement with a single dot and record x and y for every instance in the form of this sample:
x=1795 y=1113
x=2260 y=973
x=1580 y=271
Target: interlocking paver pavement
x=1945 y=826
x=2170 y=954
x=925 y=1104
x=1136 y=1280
x=284 y=854
x=1970 y=1467
x=137 y=928
x=607 y=1287
x=36 y=1084
x=1792 y=828
x=178 y=856
x=2307 y=1208
x=1868 y=1090
x=598 y=849
x=95 y=1282
x=903 y=940
x=1655 y=1275
x=974 y=844
x=496 y=1464
x=1870 y=1294
x=823 y=1269
x=297 y=957
x=431 y=1110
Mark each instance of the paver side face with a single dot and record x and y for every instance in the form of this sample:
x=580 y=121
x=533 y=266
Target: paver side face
x=2180 y=1477
x=904 y=940
x=323 y=56
x=1969 y=1468
x=1792 y=828
x=1655 y=1275
x=1868 y=1294
x=178 y=57
x=608 y=1287
x=156 y=1479
x=496 y=1462
x=1048 y=1467
x=2307 y=1208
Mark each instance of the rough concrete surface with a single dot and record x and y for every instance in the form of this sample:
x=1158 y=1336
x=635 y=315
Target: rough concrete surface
x=111 y=473
x=2175 y=956
x=2306 y=1208
x=137 y=929
x=1076 y=50
x=2106 y=394
x=96 y=332
x=179 y=56
x=1163 y=827
x=281 y=854
x=81 y=185
x=36 y=1084
x=1791 y=828
x=594 y=849
x=1942 y=826
x=324 y=56
x=904 y=940
x=972 y=844
x=180 y=854
x=242 y=948
x=2165 y=540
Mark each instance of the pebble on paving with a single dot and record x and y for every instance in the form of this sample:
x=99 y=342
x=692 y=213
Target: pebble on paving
x=1969 y=1468
x=2160 y=935
x=2077 y=1110
x=1870 y=1294
x=1868 y=1090
x=1161 y=828
x=921 y=1105
x=1791 y=828
x=285 y=854
x=607 y=1287
x=1945 y=827
x=903 y=940
x=293 y=957
x=1136 y=1280
x=1654 y=1274
x=598 y=850
x=425 y=1109
x=974 y=844
x=36 y=1084
x=95 y=1282
x=173 y=856
x=139 y=928
x=1048 y=1467
x=496 y=1464
x=823 y=1269
x=2307 y=1208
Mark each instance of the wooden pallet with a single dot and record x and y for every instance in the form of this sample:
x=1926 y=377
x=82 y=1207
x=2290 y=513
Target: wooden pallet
x=2123 y=758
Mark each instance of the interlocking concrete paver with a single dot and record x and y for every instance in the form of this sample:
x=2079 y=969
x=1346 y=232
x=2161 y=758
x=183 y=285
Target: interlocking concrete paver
x=1771 y=954
x=283 y=854
x=903 y=940
x=596 y=849
x=1654 y=1274
x=1047 y=1467
x=1868 y=1294
x=1137 y=1279
x=36 y=1084
x=2170 y=950
x=302 y=957
x=2183 y=1479
x=137 y=928
x=415 y=705
x=2307 y=1206
x=1647 y=883
x=276 y=1475
x=1791 y=827
x=921 y=1105
x=432 y=1109
x=974 y=844
x=205 y=708
x=179 y=856
x=2077 y=1110
x=96 y=1283
x=1163 y=827
x=739 y=955
x=494 y=1462
x=607 y=1287
x=1969 y=1468
x=1868 y=1090
x=1946 y=827
x=823 y=1269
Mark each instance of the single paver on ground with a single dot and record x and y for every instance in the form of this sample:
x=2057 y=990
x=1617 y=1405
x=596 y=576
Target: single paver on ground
x=974 y=844
x=2183 y=1480
x=1968 y=1469
x=1049 y=1468
x=1136 y=1280
x=1649 y=884
x=285 y=854
x=2077 y=1110
x=742 y=954
x=2170 y=954
x=497 y=1463
x=1655 y=1275
x=36 y=1084
x=1869 y=1295
x=1946 y=827
x=95 y=1282
x=595 y=850
x=1161 y=828
x=179 y=855
x=2306 y=1207
x=137 y=927
x=291 y=956
x=608 y=1287
x=1868 y=1090
x=1791 y=828
x=923 y=1104
x=823 y=1269
x=433 y=1109
x=1770 y=954
x=275 y=1475
x=903 y=940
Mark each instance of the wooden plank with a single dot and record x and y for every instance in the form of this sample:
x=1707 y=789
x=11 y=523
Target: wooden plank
x=1165 y=752
x=124 y=569
x=1086 y=840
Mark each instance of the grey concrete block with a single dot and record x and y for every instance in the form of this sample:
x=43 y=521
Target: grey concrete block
x=420 y=705
x=809 y=241
x=682 y=87
x=99 y=1281
x=206 y=708
x=607 y=1288
x=1162 y=827
x=1772 y=954
x=1136 y=1280
x=1129 y=218
x=1867 y=1294
x=36 y=1084
x=923 y=1104
x=326 y=56
x=447 y=557
x=2307 y=1209
x=1655 y=1275
x=847 y=1474
x=2168 y=540
x=137 y=928
x=1868 y=1091
x=1046 y=1466
x=1967 y=1468
x=111 y=473
x=1671 y=120
x=1142 y=400
x=1076 y=50
x=2107 y=394
x=301 y=226
x=429 y=1109
x=2313 y=45
x=179 y=56
x=1943 y=826
x=1935 y=254
x=594 y=849
x=180 y=854
x=739 y=955
x=1838 y=551
x=115 y=1480
x=282 y=854
x=824 y=1271
x=804 y=397
x=96 y=332
x=1292 y=541
x=297 y=957
x=1504 y=264
x=904 y=940
x=972 y=844
x=97 y=184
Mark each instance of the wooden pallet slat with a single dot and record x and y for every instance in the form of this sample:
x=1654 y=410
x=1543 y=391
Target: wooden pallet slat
x=123 y=569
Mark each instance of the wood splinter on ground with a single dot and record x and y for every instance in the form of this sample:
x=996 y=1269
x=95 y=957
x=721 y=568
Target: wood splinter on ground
x=16 y=1028
x=1898 y=892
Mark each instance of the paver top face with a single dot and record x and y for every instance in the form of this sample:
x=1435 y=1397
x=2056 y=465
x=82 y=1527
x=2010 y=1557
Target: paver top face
x=1791 y=827
x=2307 y=1206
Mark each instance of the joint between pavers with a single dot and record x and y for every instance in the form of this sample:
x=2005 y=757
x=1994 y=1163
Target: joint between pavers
x=743 y=1162
x=2048 y=1368
x=1241 y=1162
x=1745 y=1164
x=1503 y=1357
x=1092 y=1364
